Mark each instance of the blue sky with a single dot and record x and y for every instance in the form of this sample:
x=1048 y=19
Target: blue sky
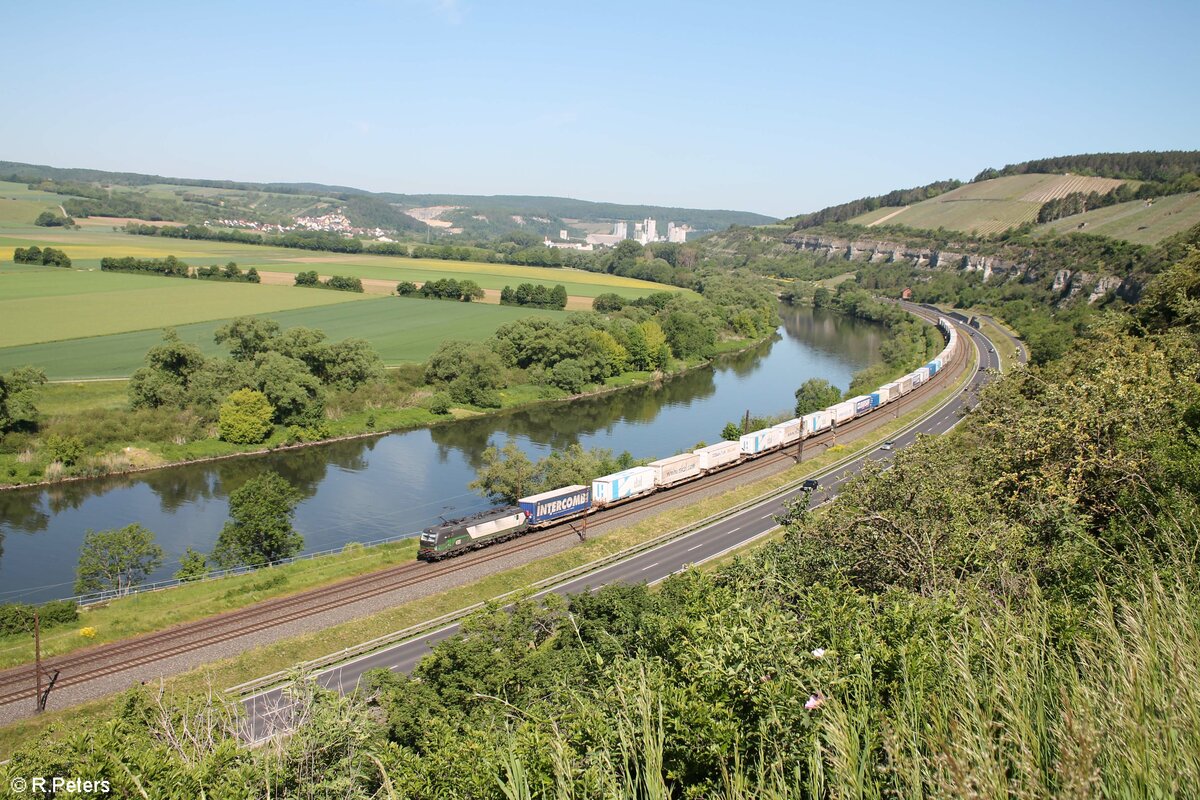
x=779 y=108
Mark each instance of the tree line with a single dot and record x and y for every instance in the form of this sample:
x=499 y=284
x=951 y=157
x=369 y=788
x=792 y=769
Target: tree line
x=44 y=256
x=1158 y=166
x=442 y=289
x=340 y=283
x=534 y=296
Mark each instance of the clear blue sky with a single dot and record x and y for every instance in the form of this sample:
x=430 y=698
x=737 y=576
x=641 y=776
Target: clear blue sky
x=773 y=107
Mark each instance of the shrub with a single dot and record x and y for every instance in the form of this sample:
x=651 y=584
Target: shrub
x=246 y=417
x=440 y=404
x=64 y=449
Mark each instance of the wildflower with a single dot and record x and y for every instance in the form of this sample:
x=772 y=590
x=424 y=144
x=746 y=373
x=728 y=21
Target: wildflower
x=815 y=701
x=819 y=652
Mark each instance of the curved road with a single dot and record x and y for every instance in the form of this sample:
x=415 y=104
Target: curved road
x=268 y=712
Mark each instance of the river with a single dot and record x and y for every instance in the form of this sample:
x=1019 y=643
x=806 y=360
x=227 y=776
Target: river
x=366 y=489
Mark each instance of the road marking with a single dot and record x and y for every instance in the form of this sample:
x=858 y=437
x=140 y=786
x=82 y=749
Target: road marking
x=697 y=547
x=650 y=566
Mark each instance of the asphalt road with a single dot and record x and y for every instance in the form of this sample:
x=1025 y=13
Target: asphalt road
x=269 y=711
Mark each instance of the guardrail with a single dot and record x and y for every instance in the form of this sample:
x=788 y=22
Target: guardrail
x=545 y=585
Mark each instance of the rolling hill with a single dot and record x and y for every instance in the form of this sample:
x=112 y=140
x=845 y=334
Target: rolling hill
x=154 y=197
x=989 y=206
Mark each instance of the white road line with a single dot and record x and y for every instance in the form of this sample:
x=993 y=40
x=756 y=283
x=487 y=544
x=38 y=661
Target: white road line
x=697 y=547
x=649 y=566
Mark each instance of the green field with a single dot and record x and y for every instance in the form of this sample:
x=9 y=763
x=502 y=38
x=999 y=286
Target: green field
x=1135 y=221
x=400 y=329
x=43 y=304
x=988 y=206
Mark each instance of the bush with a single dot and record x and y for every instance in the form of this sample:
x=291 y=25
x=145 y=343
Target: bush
x=246 y=417
x=308 y=278
x=314 y=432
x=406 y=289
x=66 y=449
x=440 y=404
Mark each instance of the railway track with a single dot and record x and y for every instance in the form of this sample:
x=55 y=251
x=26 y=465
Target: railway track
x=83 y=666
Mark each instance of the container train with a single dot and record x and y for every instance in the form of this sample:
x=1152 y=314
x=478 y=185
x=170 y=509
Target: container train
x=574 y=502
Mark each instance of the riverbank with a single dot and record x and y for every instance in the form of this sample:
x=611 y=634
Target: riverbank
x=140 y=456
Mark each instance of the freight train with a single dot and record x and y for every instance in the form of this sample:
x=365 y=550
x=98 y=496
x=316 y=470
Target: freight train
x=574 y=502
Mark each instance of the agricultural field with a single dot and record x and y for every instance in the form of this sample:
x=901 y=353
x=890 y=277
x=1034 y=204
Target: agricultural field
x=988 y=206
x=45 y=304
x=1136 y=221
x=400 y=329
x=87 y=246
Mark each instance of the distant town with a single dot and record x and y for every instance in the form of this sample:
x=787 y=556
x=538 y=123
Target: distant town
x=644 y=232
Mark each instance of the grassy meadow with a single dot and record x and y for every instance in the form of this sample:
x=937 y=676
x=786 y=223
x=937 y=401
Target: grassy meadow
x=400 y=329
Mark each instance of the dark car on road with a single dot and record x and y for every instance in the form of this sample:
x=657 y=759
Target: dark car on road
x=811 y=483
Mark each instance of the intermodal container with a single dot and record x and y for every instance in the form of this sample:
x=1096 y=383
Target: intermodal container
x=862 y=404
x=621 y=485
x=815 y=422
x=556 y=503
x=889 y=392
x=905 y=385
x=920 y=376
x=877 y=398
x=842 y=412
x=760 y=441
x=790 y=431
x=718 y=455
x=675 y=469
x=931 y=367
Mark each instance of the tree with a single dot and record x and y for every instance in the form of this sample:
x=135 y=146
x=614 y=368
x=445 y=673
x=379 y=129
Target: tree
x=290 y=387
x=308 y=278
x=470 y=290
x=167 y=376
x=260 y=528
x=52 y=219
x=17 y=391
x=246 y=337
x=607 y=302
x=116 y=559
x=472 y=371
x=506 y=474
x=406 y=288
x=246 y=417
x=815 y=394
x=192 y=567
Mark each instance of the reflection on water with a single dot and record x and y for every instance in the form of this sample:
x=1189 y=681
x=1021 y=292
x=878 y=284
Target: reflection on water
x=368 y=489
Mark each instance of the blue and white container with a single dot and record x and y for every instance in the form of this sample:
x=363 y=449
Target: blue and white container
x=862 y=404
x=815 y=422
x=760 y=441
x=556 y=503
x=622 y=485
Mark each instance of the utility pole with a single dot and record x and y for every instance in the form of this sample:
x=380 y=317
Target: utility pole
x=746 y=423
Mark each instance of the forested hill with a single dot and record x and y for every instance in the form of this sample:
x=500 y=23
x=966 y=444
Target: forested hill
x=1148 y=165
x=194 y=200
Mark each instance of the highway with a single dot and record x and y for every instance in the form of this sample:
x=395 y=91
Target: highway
x=268 y=712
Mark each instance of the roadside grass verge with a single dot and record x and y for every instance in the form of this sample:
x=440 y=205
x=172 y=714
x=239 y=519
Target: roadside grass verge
x=282 y=655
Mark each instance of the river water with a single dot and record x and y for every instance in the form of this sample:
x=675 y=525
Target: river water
x=368 y=489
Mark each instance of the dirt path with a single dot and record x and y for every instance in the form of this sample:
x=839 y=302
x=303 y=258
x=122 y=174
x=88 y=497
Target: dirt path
x=387 y=287
x=886 y=217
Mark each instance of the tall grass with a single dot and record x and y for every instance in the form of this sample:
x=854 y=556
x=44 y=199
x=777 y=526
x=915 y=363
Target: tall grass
x=1113 y=713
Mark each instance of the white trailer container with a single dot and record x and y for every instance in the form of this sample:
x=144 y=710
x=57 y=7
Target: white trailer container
x=905 y=385
x=760 y=441
x=862 y=404
x=889 y=392
x=790 y=431
x=815 y=422
x=678 y=468
x=718 y=455
x=621 y=485
x=920 y=376
x=842 y=412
